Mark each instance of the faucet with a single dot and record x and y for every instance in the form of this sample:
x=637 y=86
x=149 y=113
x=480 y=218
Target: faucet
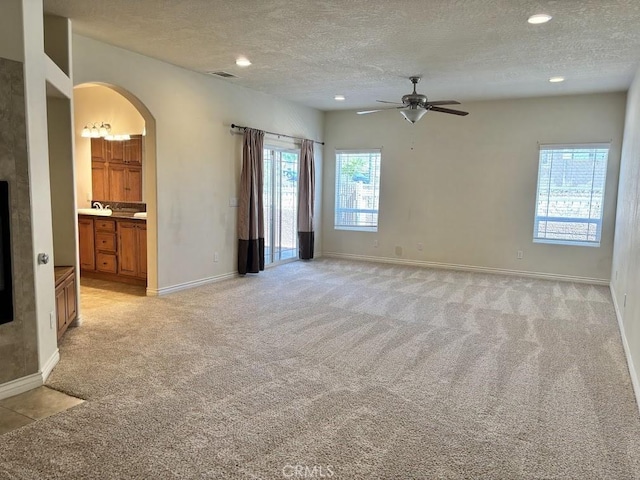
x=98 y=205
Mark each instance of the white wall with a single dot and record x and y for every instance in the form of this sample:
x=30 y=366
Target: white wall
x=198 y=159
x=465 y=187
x=39 y=186
x=625 y=275
x=96 y=104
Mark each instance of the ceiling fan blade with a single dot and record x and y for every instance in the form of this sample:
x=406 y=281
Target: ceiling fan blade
x=444 y=102
x=394 y=103
x=362 y=112
x=448 y=110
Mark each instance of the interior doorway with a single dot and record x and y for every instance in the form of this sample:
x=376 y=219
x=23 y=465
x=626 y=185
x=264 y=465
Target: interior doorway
x=115 y=186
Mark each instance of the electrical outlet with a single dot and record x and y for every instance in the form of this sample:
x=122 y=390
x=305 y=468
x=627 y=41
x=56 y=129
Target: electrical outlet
x=233 y=201
x=624 y=304
x=519 y=255
x=420 y=246
x=398 y=250
x=51 y=320
x=216 y=257
x=375 y=244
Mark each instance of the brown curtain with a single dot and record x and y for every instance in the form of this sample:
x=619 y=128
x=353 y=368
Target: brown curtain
x=250 y=211
x=306 y=195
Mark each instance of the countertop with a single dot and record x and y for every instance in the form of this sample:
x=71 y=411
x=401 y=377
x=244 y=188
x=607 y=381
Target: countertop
x=121 y=215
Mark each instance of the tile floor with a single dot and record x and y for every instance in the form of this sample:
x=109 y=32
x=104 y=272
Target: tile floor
x=36 y=404
x=42 y=402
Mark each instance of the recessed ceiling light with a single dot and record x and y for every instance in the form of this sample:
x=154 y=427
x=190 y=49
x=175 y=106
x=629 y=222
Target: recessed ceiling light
x=539 y=18
x=243 y=62
x=339 y=98
x=556 y=79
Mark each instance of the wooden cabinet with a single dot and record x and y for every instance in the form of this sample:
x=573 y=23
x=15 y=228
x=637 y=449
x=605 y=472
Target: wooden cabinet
x=125 y=183
x=66 y=298
x=115 y=151
x=133 y=150
x=113 y=248
x=86 y=243
x=99 y=180
x=116 y=169
x=132 y=248
x=105 y=241
x=98 y=152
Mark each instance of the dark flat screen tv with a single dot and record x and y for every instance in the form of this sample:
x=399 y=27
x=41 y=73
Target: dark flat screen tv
x=6 y=280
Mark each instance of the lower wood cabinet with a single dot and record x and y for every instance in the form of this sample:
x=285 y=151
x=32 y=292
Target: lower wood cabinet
x=113 y=249
x=132 y=248
x=87 y=243
x=66 y=298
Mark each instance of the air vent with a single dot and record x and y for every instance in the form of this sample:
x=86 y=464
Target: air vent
x=222 y=74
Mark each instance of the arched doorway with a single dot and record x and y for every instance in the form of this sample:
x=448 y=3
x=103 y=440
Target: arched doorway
x=98 y=103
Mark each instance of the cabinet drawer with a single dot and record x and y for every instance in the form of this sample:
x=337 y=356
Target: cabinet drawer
x=105 y=225
x=106 y=242
x=106 y=263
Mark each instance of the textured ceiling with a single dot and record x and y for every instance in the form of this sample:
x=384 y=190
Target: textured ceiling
x=308 y=50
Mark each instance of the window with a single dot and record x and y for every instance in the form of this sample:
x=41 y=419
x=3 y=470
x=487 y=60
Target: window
x=571 y=181
x=280 y=201
x=357 y=190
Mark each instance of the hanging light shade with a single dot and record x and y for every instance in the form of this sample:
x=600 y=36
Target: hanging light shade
x=86 y=132
x=95 y=133
x=103 y=130
x=413 y=114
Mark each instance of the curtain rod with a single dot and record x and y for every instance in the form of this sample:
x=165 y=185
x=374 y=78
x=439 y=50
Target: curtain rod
x=233 y=125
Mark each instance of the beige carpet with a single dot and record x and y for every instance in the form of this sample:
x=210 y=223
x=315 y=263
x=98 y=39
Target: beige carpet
x=365 y=370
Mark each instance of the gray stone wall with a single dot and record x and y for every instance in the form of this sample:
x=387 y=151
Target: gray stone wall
x=18 y=339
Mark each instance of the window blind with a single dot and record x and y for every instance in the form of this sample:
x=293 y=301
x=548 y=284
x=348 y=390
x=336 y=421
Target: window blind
x=357 y=194
x=570 y=194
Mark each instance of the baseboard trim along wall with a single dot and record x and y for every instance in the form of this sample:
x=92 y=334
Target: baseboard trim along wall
x=152 y=292
x=20 y=385
x=469 y=268
x=35 y=380
x=48 y=366
x=635 y=381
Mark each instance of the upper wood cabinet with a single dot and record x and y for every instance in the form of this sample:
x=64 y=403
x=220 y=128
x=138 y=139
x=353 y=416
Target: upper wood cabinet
x=133 y=150
x=100 y=180
x=115 y=151
x=116 y=169
x=98 y=147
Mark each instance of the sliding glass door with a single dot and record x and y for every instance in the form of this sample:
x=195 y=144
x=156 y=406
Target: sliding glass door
x=280 y=198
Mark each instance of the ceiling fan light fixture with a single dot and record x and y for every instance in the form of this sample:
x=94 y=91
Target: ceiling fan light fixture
x=557 y=79
x=413 y=115
x=339 y=98
x=539 y=18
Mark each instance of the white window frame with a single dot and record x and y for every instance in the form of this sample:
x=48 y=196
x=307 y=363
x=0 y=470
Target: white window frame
x=597 y=220
x=338 y=207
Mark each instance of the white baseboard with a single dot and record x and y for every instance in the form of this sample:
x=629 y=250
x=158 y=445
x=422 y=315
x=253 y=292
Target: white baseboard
x=49 y=364
x=20 y=385
x=469 y=268
x=635 y=381
x=191 y=284
x=35 y=380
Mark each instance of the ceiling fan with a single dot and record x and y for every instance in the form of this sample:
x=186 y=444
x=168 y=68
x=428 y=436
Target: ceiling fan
x=414 y=105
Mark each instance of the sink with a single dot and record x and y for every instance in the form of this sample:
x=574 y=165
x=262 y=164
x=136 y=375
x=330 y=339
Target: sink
x=140 y=215
x=95 y=211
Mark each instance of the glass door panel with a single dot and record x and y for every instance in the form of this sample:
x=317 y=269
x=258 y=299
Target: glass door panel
x=280 y=198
